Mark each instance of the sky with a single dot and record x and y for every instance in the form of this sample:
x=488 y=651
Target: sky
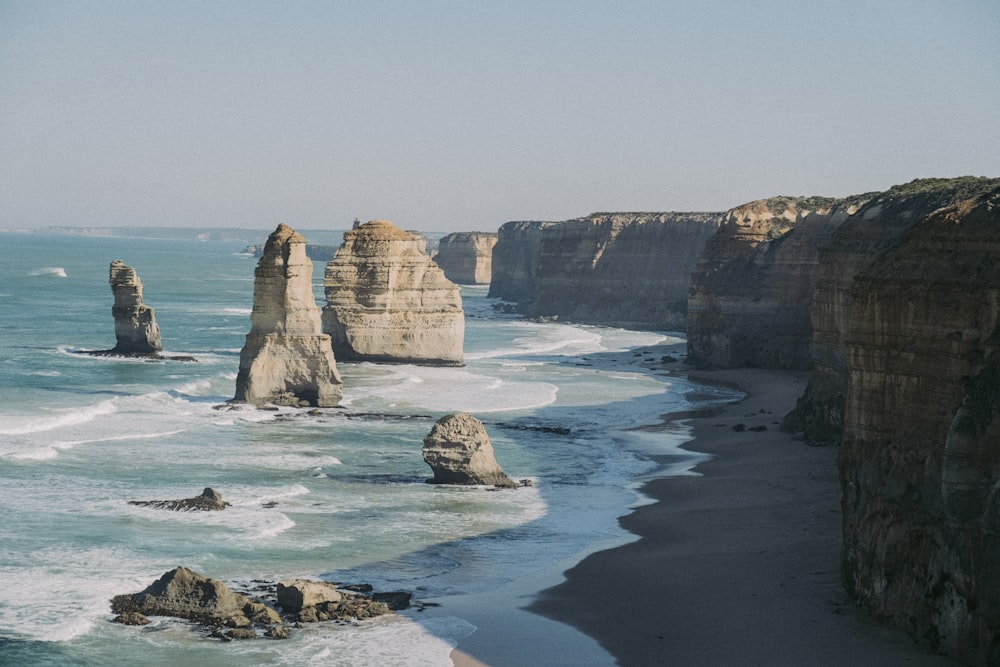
x=460 y=116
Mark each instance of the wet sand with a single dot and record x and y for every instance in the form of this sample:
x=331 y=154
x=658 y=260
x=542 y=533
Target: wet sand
x=738 y=566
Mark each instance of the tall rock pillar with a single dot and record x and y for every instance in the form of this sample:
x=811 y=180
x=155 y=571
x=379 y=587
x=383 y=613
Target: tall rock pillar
x=286 y=360
x=136 y=331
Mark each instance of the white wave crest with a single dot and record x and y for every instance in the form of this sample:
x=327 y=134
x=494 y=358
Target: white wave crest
x=56 y=271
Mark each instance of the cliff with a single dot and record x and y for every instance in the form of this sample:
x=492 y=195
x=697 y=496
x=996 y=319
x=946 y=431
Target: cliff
x=877 y=226
x=286 y=359
x=752 y=288
x=136 y=331
x=386 y=300
x=467 y=257
x=515 y=260
x=622 y=269
x=920 y=457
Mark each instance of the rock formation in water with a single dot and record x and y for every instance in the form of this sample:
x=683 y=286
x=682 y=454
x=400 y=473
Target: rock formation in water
x=209 y=500
x=467 y=257
x=386 y=300
x=920 y=455
x=459 y=451
x=515 y=260
x=752 y=289
x=183 y=593
x=136 y=331
x=286 y=360
x=877 y=226
x=623 y=269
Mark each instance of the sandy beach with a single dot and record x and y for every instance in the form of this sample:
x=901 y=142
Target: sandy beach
x=738 y=566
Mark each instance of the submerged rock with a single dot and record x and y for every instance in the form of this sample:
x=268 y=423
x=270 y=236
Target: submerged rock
x=209 y=500
x=387 y=301
x=286 y=360
x=459 y=451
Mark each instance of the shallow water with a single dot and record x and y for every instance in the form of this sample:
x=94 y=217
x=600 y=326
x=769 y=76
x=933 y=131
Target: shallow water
x=341 y=495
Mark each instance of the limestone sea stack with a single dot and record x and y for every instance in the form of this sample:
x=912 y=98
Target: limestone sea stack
x=515 y=260
x=387 y=301
x=136 y=331
x=459 y=451
x=467 y=257
x=286 y=360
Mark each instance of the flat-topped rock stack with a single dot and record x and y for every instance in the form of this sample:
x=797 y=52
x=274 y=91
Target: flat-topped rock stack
x=387 y=301
x=467 y=257
x=287 y=359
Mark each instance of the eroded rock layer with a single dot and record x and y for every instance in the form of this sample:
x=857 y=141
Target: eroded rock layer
x=920 y=457
x=467 y=257
x=752 y=288
x=286 y=360
x=623 y=269
x=136 y=331
x=877 y=226
x=386 y=300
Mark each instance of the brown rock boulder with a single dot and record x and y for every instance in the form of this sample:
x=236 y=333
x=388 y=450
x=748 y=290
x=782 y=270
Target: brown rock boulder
x=459 y=451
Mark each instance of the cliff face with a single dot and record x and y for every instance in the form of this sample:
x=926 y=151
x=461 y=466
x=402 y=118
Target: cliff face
x=752 y=288
x=515 y=260
x=136 y=331
x=622 y=269
x=386 y=300
x=920 y=458
x=467 y=257
x=286 y=360
x=878 y=225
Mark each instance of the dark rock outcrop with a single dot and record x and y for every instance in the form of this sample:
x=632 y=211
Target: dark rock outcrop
x=136 y=331
x=622 y=269
x=459 y=451
x=920 y=457
x=209 y=500
x=183 y=593
x=286 y=359
x=387 y=301
x=467 y=257
x=752 y=289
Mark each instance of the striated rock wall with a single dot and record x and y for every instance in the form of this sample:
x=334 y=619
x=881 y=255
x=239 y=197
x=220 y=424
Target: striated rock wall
x=878 y=225
x=920 y=457
x=623 y=269
x=386 y=300
x=136 y=331
x=515 y=260
x=752 y=288
x=467 y=257
x=286 y=359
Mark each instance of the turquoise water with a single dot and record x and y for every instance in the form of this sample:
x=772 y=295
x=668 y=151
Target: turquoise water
x=340 y=495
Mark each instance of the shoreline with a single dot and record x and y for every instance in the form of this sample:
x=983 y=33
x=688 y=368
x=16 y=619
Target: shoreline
x=738 y=564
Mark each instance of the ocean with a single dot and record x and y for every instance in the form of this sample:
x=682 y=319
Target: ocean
x=340 y=495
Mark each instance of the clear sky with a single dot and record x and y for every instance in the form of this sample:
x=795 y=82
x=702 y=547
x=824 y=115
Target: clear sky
x=457 y=116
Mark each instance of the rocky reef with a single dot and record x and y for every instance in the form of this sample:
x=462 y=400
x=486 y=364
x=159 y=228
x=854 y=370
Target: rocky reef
x=136 y=331
x=459 y=451
x=467 y=257
x=920 y=454
x=286 y=359
x=386 y=300
x=622 y=269
x=210 y=500
x=752 y=289
x=228 y=615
